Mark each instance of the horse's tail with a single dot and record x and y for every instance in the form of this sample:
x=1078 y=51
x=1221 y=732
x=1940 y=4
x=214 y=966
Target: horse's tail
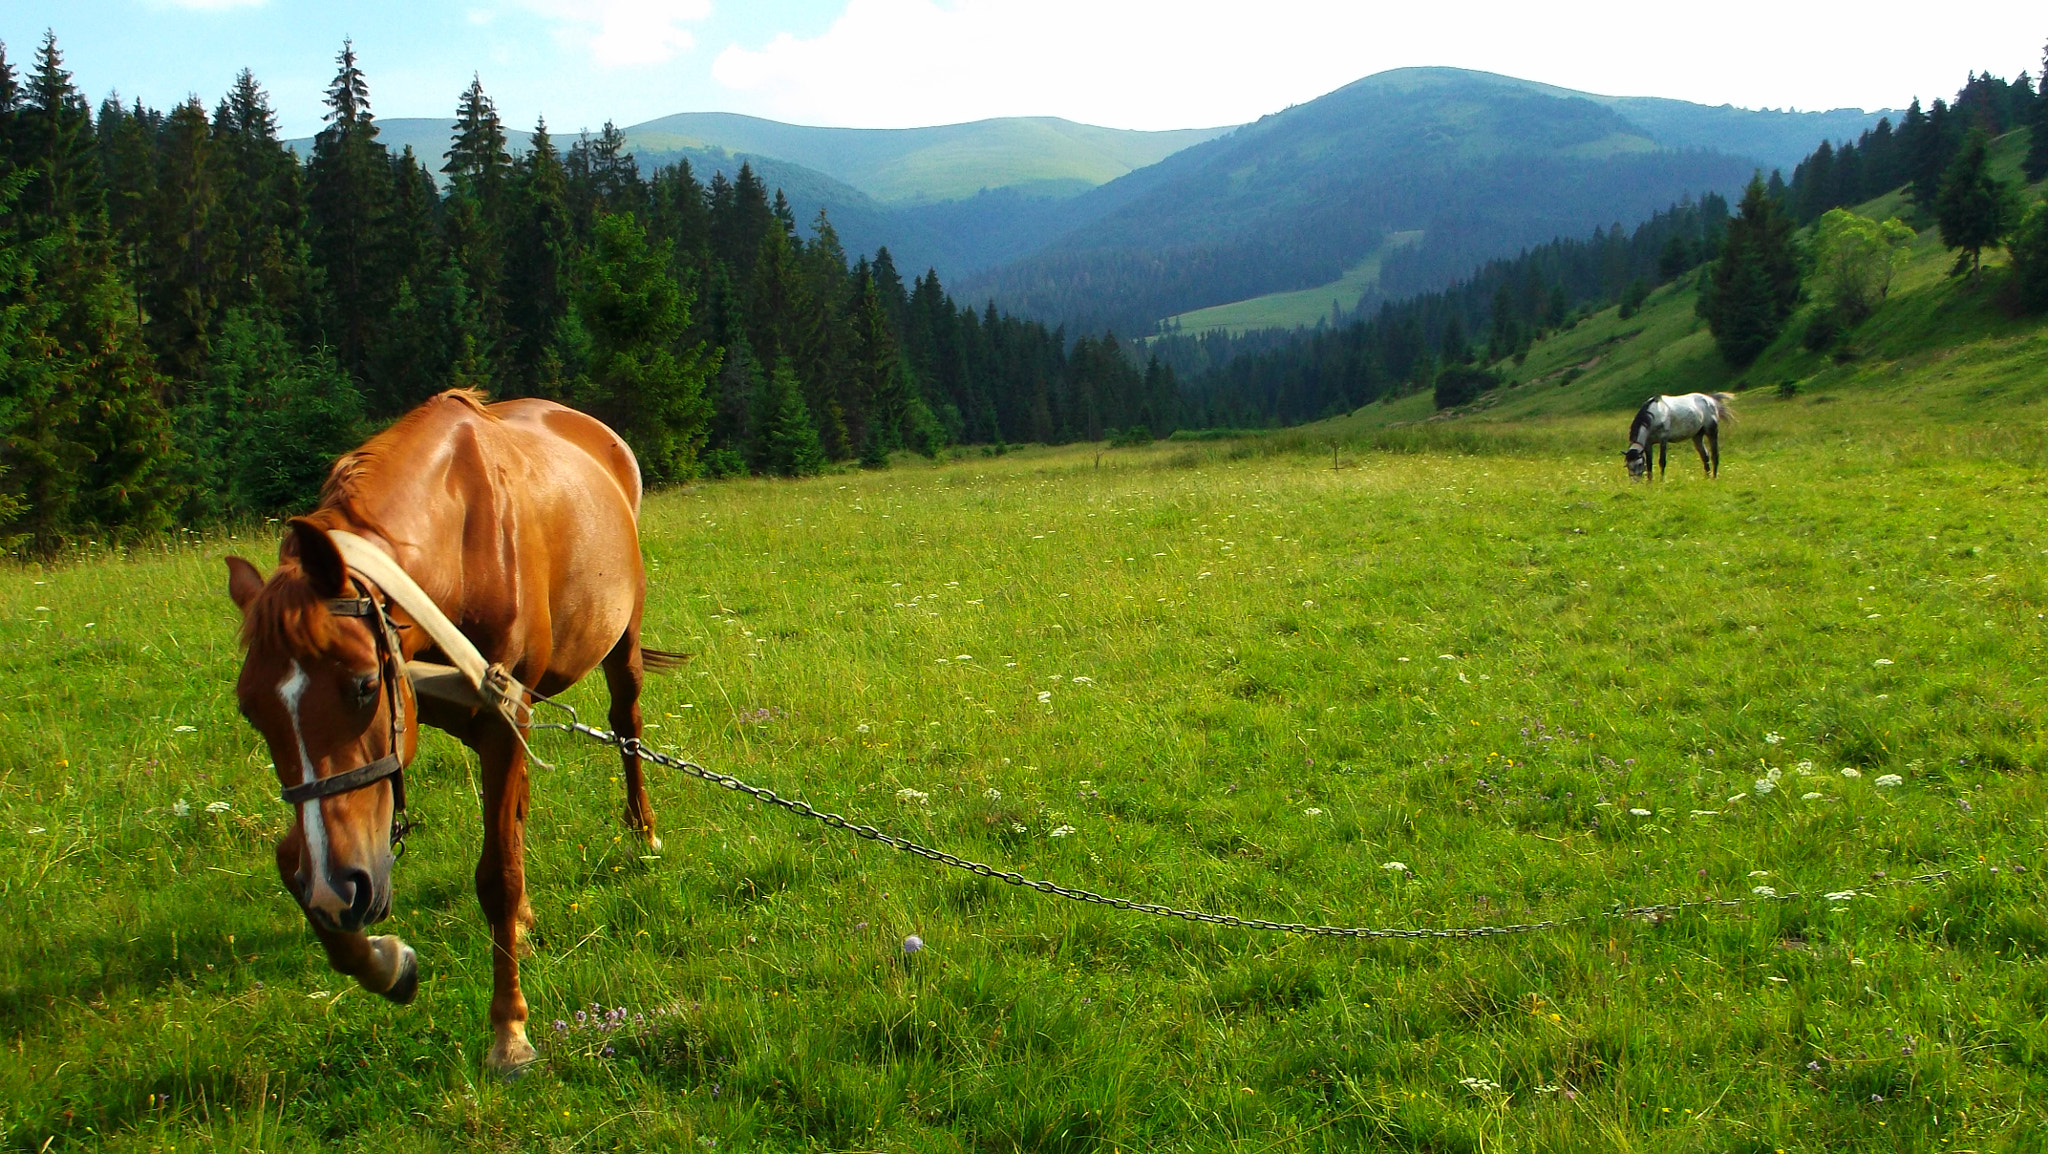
x=1721 y=410
x=662 y=661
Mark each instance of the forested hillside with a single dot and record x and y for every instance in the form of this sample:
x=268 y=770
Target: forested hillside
x=1480 y=164
x=1456 y=341
x=193 y=324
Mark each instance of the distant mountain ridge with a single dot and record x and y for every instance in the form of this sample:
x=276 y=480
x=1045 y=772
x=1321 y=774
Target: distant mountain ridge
x=1110 y=227
x=1480 y=164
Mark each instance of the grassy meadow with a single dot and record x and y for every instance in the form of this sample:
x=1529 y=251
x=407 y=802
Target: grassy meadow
x=1226 y=676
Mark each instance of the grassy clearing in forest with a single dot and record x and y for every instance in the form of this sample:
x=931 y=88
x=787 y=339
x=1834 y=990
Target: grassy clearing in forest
x=1220 y=676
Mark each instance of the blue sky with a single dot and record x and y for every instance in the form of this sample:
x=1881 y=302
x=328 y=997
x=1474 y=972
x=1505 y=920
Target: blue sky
x=893 y=63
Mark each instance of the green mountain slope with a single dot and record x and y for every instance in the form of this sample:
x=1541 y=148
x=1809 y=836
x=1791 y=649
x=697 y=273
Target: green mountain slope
x=1038 y=155
x=1481 y=164
x=1943 y=347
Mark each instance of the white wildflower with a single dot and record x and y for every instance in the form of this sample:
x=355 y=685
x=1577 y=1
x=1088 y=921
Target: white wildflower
x=965 y=657
x=1045 y=698
x=1313 y=811
x=180 y=807
x=1852 y=772
x=1889 y=781
x=861 y=728
x=1764 y=892
x=1399 y=867
x=1446 y=657
x=186 y=729
x=1882 y=661
x=1804 y=768
x=1084 y=681
x=1736 y=798
x=1062 y=831
x=1841 y=895
x=1813 y=796
x=1759 y=873
x=1706 y=812
x=992 y=793
x=913 y=796
x=217 y=807
x=1764 y=785
x=1640 y=812
x=1772 y=738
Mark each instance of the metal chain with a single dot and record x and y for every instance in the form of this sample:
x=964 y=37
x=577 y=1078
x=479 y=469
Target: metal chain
x=634 y=747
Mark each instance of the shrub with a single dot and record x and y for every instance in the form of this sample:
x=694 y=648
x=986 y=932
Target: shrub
x=1461 y=384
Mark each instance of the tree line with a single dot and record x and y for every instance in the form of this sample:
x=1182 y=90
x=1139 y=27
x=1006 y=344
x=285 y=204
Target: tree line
x=194 y=321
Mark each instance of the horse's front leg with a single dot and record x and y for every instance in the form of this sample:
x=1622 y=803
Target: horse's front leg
x=380 y=963
x=1663 y=457
x=501 y=887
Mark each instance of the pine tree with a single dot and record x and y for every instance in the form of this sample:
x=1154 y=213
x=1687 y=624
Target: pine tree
x=478 y=166
x=349 y=202
x=263 y=201
x=788 y=439
x=2036 y=163
x=1755 y=283
x=189 y=244
x=539 y=249
x=1974 y=207
x=642 y=378
x=2029 y=249
x=53 y=142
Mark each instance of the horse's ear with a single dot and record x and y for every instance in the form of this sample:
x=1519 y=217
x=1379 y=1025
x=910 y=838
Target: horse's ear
x=319 y=557
x=244 y=582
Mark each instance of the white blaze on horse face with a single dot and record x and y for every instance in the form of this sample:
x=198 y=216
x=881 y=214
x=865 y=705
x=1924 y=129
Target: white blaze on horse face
x=318 y=890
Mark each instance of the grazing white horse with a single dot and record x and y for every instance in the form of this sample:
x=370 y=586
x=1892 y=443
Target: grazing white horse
x=1663 y=420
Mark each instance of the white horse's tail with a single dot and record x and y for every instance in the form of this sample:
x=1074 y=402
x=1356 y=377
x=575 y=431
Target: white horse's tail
x=1721 y=410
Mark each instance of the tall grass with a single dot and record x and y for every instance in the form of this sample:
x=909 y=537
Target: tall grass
x=1246 y=682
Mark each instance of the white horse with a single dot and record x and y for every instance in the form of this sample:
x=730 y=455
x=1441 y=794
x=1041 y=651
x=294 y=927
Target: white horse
x=1663 y=420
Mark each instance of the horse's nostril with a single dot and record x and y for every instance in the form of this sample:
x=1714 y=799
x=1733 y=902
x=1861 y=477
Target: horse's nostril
x=354 y=888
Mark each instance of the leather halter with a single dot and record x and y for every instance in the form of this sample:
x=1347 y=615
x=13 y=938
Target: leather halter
x=391 y=669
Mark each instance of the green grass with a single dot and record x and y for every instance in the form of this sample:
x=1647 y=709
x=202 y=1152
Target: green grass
x=1300 y=308
x=1472 y=651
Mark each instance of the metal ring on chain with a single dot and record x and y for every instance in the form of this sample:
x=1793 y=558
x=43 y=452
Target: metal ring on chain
x=633 y=746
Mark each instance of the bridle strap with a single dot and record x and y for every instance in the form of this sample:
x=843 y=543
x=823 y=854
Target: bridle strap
x=360 y=777
x=391 y=669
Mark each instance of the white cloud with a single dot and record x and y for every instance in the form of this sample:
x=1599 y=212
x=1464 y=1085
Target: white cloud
x=625 y=33
x=1178 y=63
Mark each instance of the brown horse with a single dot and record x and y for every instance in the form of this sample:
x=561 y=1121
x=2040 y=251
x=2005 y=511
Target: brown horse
x=520 y=521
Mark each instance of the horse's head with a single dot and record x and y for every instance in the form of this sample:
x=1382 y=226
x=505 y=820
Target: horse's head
x=1638 y=459
x=322 y=682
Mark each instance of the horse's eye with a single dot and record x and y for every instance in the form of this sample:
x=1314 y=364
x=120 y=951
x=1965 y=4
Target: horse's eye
x=365 y=687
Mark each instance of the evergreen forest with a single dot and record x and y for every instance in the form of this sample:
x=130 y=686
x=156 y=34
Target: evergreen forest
x=193 y=323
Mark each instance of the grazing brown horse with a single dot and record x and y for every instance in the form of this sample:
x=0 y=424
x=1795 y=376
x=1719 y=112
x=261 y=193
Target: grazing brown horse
x=520 y=521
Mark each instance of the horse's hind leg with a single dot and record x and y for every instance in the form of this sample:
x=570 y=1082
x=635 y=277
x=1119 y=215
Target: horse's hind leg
x=1714 y=442
x=624 y=672
x=1699 y=444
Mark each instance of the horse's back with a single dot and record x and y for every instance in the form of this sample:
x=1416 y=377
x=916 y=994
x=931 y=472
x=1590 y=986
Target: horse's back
x=556 y=434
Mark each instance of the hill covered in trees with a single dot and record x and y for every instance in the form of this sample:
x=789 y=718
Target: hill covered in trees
x=1480 y=164
x=1786 y=261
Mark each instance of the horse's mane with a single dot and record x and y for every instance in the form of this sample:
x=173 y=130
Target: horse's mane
x=1642 y=419
x=355 y=469
x=288 y=608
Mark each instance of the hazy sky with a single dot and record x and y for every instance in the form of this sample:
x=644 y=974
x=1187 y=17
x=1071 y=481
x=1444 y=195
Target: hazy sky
x=894 y=63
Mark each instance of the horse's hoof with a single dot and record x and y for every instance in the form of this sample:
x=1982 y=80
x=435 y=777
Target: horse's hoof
x=653 y=844
x=513 y=1056
x=406 y=986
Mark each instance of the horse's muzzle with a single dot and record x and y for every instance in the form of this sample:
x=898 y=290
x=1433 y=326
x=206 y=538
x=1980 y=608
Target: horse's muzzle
x=351 y=901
